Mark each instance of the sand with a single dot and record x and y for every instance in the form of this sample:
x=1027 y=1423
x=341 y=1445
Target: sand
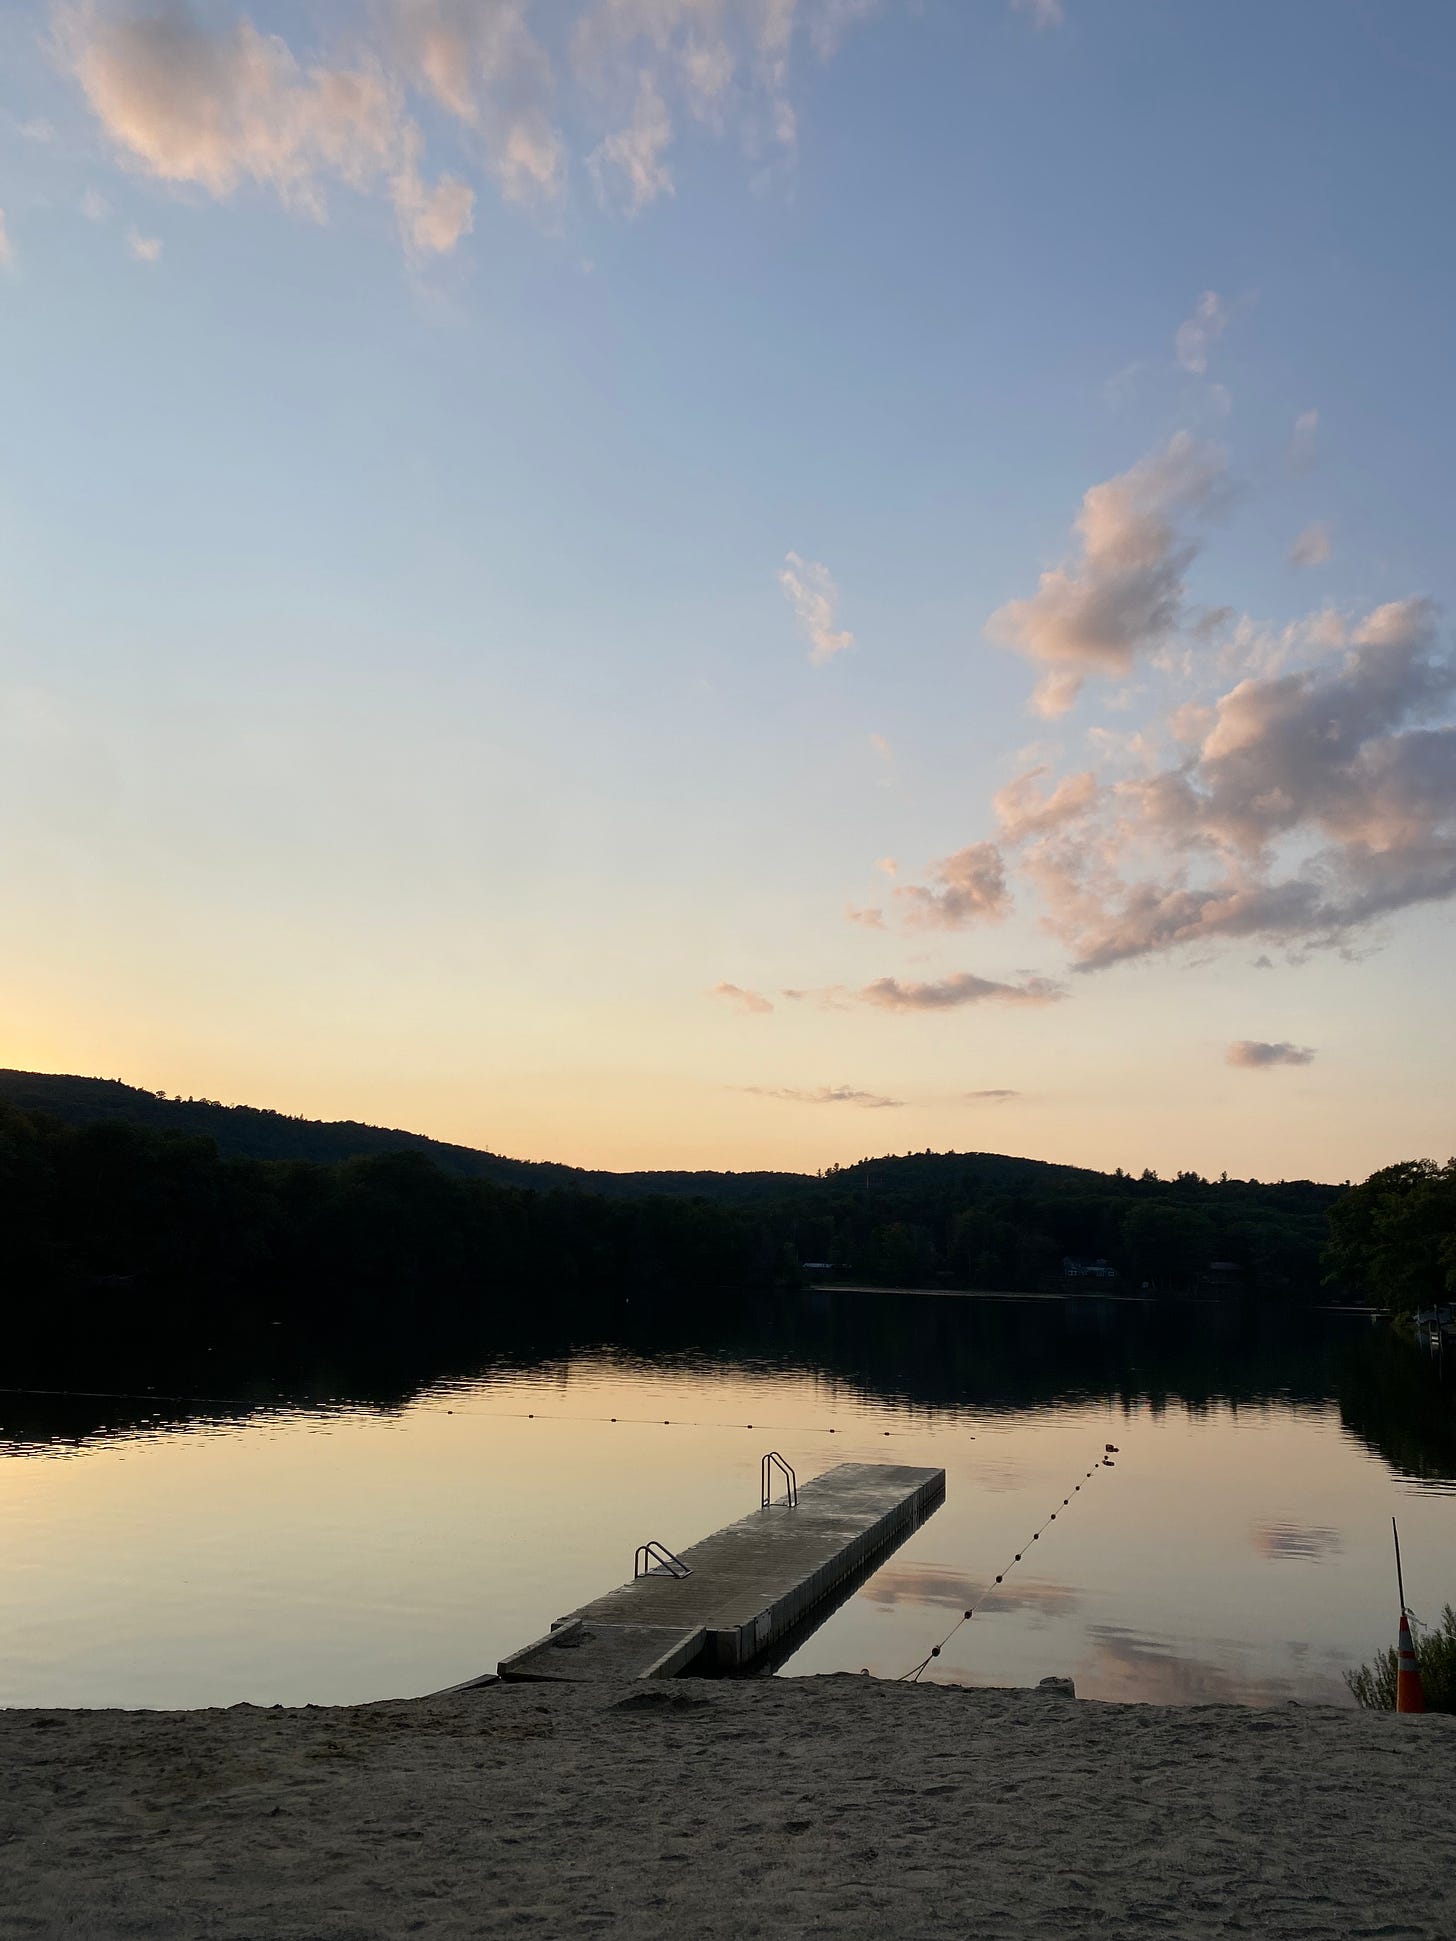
x=833 y=1807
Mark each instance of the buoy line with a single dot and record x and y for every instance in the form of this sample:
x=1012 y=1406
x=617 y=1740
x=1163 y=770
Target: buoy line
x=284 y=1404
x=1106 y=1462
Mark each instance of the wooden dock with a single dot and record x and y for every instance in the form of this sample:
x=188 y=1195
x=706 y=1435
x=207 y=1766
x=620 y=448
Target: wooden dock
x=764 y=1580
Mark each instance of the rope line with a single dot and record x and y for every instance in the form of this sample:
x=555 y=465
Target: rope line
x=913 y=1675
x=253 y=1404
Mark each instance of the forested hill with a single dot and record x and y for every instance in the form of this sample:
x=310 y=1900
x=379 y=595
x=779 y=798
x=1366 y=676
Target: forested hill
x=253 y=1132
x=919 y=1219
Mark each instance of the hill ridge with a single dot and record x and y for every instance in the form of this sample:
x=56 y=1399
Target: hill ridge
x=263 y=1132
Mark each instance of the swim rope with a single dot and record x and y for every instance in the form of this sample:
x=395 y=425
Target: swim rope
x=1105 y=1462
x=287 y=1405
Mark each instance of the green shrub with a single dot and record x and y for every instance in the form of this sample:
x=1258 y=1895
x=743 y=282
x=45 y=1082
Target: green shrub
x=1374 y=1684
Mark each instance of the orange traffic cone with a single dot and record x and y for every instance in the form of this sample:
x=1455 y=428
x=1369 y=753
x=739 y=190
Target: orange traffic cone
x=1408 y=1694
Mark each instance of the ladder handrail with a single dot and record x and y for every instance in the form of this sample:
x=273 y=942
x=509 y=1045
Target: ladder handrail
x=774 y=1461
x=654 y=1556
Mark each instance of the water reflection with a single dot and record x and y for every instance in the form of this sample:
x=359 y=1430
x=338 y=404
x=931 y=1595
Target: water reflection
x=1291 y=1540
x=279 y=1517
x=1398 y=1401
x=1122 y=1665
x=919 y=1357
x=933 y=1586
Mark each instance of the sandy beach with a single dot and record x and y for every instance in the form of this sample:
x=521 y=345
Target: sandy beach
x=837 y=1806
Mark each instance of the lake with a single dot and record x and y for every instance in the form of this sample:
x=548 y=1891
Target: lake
x=327 y=1523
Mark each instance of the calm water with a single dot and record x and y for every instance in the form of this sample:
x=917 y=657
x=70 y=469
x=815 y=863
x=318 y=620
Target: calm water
x=331 y=1532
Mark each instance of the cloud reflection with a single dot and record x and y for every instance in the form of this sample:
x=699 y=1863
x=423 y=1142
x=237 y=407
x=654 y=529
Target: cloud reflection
x=938 y=1586
x=1312 y=1541
x=1124 y=1667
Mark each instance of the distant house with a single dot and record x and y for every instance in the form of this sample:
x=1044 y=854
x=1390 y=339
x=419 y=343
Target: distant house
x=1087 y=1270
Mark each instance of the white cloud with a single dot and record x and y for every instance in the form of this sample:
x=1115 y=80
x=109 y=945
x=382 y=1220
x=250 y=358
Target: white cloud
x=434 y=216
x=723 y=63
x=7 y=248
x=812 y=594
x=708 y=68
x=94 y=206
x=629 y=164
x=1118 y=390
x=146 y=249
x=1044 y=13
x=1311 y=803
x=1125 y=593
x=1303 y=442
x=833 y=20
x=449 y=45
x=216 y=107
x=1197 y=333
x=480 y=62
x=199 y=98
x=530 y=159
x=1312 y=548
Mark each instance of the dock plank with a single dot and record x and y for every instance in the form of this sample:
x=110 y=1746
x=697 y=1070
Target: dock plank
x=573 y=1651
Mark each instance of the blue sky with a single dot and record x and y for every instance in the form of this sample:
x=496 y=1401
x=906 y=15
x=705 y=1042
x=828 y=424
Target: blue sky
x=429 y=428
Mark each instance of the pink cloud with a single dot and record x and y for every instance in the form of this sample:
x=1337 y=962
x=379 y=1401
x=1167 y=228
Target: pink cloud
x=1312 y=548
x=954 y=992
x=1200 y=331
x=811 y=592
x=970 y=887
x=1311 y=803
x=743 y=1000
x=1125 y=592
x=216 y=106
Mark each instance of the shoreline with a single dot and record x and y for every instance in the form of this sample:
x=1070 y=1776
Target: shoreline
x=1089 y=1294
x=837 y=1806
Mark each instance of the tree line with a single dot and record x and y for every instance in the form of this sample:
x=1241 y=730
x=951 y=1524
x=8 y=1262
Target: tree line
x=112 y=1206
x=140 y=1221
x=981 y=1221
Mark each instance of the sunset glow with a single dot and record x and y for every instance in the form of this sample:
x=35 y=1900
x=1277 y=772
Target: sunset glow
x=731 y=585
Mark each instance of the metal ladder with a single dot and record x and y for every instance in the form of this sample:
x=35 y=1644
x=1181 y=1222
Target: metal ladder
x=774 y=1464
x=655 y=1559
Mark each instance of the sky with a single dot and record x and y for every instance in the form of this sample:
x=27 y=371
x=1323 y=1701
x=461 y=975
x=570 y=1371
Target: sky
x=737 y=582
